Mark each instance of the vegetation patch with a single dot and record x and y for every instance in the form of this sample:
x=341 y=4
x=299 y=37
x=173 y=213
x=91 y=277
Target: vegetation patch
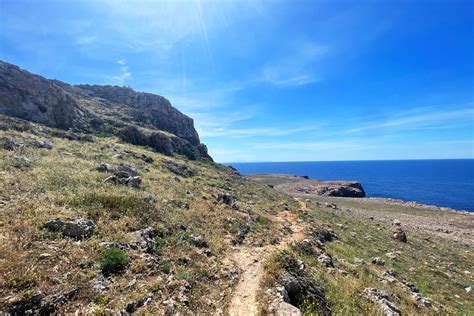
x=114 y=260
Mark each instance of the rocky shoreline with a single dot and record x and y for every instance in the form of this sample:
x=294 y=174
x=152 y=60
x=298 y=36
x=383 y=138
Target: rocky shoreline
x=303 y=186
x=294 y=185
x=432 y=221
x=418 y=205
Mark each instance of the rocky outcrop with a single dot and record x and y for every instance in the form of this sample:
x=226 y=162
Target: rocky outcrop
x=328 y=188
x=149 y=109
x=37 y=99
x=136 y=117
x=78 y=228
x=383 y=300
x=301 y=185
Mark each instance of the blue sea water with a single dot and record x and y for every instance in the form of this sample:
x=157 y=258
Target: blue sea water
x=448 y=183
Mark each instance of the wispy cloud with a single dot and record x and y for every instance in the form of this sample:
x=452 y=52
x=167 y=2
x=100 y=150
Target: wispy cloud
x=298 y=67
x=256 y=132
x=423 y=118
x=124 y=74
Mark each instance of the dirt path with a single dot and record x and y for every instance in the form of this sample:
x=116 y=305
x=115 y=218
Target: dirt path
x=249 y=261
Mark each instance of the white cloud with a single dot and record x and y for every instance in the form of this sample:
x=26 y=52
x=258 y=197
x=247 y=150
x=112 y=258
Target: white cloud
x=298 y=67
x=124 y=75
x=256 y=132
x=422 y=118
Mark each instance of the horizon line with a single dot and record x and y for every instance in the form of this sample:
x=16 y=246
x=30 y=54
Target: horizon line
x=415 y=159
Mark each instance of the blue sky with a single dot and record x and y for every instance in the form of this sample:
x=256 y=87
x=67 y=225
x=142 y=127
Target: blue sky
x=272 y=80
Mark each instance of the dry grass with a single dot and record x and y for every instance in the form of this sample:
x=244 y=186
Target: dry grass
x=63 y=183
x=439 y=268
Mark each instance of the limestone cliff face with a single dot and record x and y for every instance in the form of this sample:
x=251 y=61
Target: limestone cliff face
x=37 y=99
x=147 y=108
x=137 y=117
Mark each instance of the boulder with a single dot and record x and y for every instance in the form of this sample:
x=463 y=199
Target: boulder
x=143 y=239
x=134 y=181
x=11 y=143
x=200 y=242
x=26 y=305
x=179 y=169
x=105 y=167
x=291 y=284
x=399 y=234
x=359 y=261
x=183 y=292
x=47 y=144
x=124 y=174
x=286 y=309
x=378 y=261
x=301 y=288
x=225 y=198
x=383 y=300
x=326 y=260
x=127 y=171
x=421 y=301
x=324 y=235
x=78 y=228
x=243 y=231
x=51 y=303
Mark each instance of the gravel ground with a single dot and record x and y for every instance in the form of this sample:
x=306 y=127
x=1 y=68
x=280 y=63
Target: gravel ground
x=432 y=221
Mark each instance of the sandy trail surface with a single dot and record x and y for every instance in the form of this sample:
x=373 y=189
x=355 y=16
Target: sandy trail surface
x=249 y=260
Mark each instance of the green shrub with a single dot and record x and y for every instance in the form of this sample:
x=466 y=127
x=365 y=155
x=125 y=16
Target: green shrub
x=183 y=237
x=262 y=220
x=166 y=266
x=114 y=260
x=287 y=261
x=160 y=243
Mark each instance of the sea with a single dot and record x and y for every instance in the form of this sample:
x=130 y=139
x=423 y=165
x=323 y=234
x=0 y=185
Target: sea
x=444 y=183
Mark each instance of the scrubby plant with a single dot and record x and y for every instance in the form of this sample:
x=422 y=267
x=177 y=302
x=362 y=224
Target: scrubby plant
x=160 y=243
x=262 y=220
x=114 y=260
x=166 y=266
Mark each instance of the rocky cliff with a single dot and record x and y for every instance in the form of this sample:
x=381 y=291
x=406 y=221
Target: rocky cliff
x=139 y=118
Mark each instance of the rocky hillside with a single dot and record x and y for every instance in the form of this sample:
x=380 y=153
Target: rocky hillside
x=110 y=205
x=139 y=118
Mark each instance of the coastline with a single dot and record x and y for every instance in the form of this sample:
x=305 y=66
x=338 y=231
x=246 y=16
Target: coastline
x=447 y=224
x=287 y=183
x=418 y=205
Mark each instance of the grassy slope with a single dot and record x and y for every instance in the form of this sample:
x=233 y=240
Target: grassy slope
x=63 y=183
x=440 y=268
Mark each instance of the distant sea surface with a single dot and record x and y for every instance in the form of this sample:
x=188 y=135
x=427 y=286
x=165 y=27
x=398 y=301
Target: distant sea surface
x=447 y=183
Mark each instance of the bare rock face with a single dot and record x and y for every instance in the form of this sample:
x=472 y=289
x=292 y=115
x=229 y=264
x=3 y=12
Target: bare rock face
x=340 y=188
x=36 y=99
x=327 y=188
x=150 y=119
x=147 y=108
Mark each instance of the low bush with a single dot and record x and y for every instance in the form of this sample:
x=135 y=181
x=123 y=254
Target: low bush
x=114 y=260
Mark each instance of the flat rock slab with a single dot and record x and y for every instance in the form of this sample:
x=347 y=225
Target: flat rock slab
x=298 y=185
